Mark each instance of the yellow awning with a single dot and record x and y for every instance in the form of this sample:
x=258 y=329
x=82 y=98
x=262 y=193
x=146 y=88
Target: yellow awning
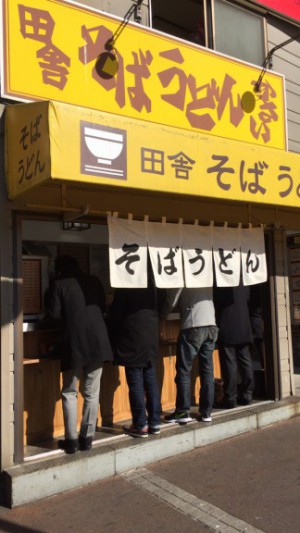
x=50 y=141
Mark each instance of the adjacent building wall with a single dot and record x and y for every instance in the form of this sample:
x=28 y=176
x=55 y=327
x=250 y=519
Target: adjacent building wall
x=282 y=305
x=287 y=61
x=119 y=8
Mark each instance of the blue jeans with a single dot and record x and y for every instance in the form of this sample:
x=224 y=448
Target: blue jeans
x=144 y=396
x=191 y=342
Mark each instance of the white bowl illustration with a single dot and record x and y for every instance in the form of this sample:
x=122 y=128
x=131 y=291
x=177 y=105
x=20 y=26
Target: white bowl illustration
x=104 y=145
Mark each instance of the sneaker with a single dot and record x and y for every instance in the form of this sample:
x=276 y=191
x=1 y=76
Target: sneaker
x=178 y=417
x=135 y=432
x=68 y=445
x=204 y=418
x=154 y=430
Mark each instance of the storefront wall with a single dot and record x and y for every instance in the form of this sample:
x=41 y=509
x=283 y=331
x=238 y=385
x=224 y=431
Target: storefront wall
x=7 y=327
x=156 y=206
x=139 y=204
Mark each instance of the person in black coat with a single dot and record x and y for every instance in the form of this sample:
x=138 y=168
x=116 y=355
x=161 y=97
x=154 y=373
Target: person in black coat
x=235 y=338
x=135 y=335
x=79 y=300
x=257 y=323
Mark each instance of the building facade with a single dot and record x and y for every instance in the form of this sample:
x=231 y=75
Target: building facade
x=241 y=31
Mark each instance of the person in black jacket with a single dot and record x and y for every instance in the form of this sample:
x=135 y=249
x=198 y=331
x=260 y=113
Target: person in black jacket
x=257 y=323
x=79 y=300
x=135 y=333
x=235 y=338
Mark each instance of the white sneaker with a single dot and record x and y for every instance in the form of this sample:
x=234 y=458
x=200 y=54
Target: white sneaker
x=206 y=418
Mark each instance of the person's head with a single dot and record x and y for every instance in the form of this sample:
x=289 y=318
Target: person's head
x=66 y=266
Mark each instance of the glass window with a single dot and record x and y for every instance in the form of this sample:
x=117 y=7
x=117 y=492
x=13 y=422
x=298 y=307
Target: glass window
x=181 y=18
x=239 y=33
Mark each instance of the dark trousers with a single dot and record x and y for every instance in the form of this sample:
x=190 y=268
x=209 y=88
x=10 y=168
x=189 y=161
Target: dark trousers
x=144 y=396
x=232 y=359
x=194 y=342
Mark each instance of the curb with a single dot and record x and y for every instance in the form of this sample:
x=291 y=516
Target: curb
x=39 y=479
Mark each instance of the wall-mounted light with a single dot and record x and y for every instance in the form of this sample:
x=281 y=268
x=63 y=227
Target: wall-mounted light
x=107 y=65
x=107 y=62
x=75 y=226
x=268 y=63
x=248 y=100
x=138 y=12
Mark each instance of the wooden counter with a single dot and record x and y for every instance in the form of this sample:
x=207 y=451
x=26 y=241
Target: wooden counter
x=43 y=417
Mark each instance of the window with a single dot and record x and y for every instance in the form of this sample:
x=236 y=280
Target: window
x=238 y=32
x=181 y=18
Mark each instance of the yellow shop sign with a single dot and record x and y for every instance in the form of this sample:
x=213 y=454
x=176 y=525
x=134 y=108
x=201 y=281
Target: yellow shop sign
x=56 y=50
x=55 y=142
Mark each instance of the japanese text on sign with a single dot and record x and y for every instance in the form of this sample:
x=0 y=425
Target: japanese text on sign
x=30 y=165
x=229 y=247
x=160 y=79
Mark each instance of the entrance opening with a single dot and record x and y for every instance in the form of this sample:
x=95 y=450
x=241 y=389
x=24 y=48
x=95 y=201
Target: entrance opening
x=42 y=242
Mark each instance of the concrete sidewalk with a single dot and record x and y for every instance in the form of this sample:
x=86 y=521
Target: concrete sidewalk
x=248 y=483
x=39 y=476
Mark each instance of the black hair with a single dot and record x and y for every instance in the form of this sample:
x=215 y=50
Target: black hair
x=66 y=266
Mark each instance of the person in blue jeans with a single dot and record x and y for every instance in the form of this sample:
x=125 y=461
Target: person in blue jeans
x=135 y=336
x=197 y=337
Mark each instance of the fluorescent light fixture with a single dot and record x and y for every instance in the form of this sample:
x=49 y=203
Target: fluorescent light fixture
x=75 y=226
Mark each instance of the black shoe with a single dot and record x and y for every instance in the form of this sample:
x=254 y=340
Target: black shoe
x=154 y=430
x=68 y=445
x=179 y=417
x=244 y=401
x=136 y=432
x=85 y=443
x=225 y=404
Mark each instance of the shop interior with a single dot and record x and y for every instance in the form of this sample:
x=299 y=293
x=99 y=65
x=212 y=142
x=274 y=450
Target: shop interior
x=42 y=242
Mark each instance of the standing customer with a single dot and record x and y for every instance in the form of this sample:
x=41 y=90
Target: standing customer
x=197 y=337
x=79 y=300
x=257 y=324
x=235 y=337
x=135 y=333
